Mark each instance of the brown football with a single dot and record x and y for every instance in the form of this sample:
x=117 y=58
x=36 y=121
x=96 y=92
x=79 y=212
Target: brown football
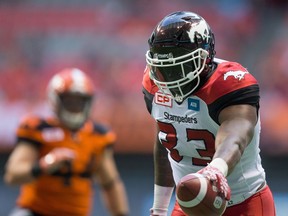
x=197 y=195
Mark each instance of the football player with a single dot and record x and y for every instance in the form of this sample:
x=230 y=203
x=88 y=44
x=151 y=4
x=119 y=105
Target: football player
x=207 y=114
x=57 y=158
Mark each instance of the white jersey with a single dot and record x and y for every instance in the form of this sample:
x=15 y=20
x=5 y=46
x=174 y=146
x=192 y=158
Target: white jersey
x=188 y=130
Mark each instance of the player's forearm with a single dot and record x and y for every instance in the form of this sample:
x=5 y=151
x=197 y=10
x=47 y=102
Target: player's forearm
x=231 y=156
x=231 y=141
x=116 y=199
x=162 y=168
x=17 y=174
x=235 y=133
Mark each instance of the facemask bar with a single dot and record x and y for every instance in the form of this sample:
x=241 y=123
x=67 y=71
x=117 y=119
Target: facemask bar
x=198 y=57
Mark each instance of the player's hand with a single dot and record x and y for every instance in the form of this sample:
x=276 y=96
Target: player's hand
x=158 y=212
x=217 y=177
x=56 y=159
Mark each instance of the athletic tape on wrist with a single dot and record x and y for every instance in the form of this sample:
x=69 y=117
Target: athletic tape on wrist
x=162 y=196
x=220 y=164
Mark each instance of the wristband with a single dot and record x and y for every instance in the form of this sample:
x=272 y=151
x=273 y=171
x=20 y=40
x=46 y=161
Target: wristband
x=220 y=164
x=162 y=196
x=36 y=170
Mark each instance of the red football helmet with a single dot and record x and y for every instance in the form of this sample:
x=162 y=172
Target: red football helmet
x=181 y=53
x=70 y=92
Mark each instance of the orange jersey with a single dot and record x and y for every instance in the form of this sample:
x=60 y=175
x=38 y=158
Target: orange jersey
x=68 y=191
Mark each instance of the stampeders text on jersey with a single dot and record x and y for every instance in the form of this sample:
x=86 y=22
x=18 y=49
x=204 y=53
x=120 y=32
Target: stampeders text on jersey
x=180 y=119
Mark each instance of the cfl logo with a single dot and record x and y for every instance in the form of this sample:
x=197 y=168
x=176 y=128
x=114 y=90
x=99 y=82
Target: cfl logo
x=218 y=202
x=163 y=99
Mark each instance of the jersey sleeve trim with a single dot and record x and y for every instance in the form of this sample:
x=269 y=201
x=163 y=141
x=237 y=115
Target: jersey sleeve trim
x=33 y=142
x=248 y=95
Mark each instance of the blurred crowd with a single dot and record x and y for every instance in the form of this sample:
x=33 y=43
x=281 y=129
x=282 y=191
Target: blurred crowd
x=108 y=40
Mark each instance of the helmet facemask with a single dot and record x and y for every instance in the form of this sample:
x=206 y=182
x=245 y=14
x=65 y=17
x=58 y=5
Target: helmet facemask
x=73 y=109
x=178 y=76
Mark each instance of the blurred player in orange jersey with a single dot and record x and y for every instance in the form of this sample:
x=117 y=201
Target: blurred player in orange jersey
x=57 y=158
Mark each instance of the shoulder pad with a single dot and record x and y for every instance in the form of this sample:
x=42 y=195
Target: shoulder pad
x=30 y=121
x=228 y=77
x=148 y=83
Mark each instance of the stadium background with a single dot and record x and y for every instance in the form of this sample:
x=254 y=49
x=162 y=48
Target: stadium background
x=108 y=40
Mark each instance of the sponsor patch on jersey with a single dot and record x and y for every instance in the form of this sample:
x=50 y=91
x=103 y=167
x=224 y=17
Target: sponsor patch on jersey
x=163 y=99
x=193 y=104
x=236 y=74
x=53 y=134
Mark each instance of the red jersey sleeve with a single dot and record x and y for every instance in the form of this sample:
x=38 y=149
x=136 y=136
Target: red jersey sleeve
x=228 y=77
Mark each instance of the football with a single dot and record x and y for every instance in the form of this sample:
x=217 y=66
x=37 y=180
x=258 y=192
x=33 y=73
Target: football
x=197 y=195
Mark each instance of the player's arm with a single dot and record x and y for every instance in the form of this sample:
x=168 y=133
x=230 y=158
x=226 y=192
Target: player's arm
x=163 y=182
x=236 y=130
x=20 y=162
x=163 y=171
x=112 y=188
x=24 y=165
